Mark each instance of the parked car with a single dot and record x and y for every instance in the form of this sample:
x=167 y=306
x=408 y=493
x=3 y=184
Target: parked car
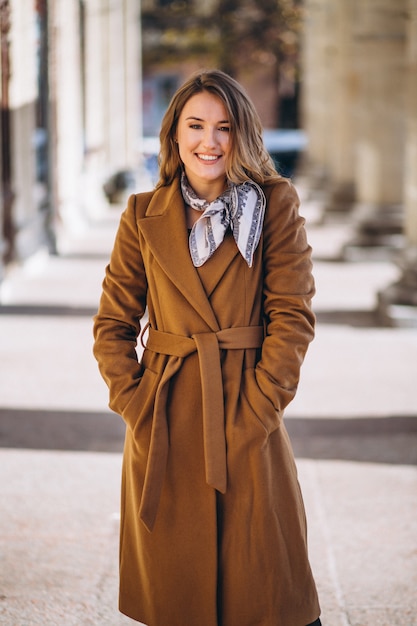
x=285 y=147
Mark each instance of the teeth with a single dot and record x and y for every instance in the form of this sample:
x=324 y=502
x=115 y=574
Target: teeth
x=207 y=157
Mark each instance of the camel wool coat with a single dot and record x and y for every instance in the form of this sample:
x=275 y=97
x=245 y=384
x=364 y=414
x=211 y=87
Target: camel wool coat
x=213 y=529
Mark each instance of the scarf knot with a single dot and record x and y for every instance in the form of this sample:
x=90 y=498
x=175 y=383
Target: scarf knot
x=242 y=207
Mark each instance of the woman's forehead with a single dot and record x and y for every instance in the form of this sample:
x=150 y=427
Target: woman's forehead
x=204 y=106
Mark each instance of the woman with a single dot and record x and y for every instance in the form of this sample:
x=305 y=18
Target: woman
x=212 y=524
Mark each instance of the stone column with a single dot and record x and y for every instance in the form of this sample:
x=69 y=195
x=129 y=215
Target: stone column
x=316 y=92
x=410 y=179
x=6 y=192
x=398 y=302
x=133 y=78
x=113 y=102
x=342 y=96
x=120 y=58
x=379 y=61
x=26 y=137
x=97 y=161
x=66 y=103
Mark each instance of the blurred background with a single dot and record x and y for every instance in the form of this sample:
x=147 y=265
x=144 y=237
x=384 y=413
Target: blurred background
x=84 y=85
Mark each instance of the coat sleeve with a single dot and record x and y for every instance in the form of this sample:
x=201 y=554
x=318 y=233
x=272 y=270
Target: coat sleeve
x=122 y=305
x=288 y=290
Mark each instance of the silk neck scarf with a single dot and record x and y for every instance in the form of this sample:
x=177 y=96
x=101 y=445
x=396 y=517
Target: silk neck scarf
x=242 y=207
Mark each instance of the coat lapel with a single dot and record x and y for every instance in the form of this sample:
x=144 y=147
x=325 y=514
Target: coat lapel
x=165 y=231
x=215 y=267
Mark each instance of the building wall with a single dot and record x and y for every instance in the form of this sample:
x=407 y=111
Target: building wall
x=359 y=107
x=410 y=165
x=75 y=114
x=355 y=65
x=360 y=112
x=23 y=93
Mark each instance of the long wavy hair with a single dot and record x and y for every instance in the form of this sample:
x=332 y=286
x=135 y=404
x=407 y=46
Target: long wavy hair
x=248 y=157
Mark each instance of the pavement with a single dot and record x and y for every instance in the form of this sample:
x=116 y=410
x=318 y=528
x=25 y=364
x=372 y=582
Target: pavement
x=353 y=425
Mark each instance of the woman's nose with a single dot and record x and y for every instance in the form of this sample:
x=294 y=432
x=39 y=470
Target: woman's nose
x=209 y=139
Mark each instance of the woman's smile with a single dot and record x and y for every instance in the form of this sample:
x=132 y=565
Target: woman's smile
x=210 y=158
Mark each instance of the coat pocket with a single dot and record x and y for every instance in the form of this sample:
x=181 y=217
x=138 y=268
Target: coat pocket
x=139 y=409
x=260 y=406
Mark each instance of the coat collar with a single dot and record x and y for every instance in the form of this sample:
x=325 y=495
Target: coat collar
x=165 y=231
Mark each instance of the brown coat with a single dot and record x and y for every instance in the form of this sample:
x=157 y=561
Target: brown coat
x=213 y=527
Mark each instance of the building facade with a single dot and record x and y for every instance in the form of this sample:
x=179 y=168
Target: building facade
x=71 y=114
x=256 y=41
x=360 y=115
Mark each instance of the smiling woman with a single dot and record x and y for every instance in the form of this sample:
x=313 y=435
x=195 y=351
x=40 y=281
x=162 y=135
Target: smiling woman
x=213 y=526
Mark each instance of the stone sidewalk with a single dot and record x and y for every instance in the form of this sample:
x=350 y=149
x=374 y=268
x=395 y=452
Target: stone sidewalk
x=353 y=425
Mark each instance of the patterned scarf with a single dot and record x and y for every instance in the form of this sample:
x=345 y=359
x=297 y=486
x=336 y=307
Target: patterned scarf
x=242 y=207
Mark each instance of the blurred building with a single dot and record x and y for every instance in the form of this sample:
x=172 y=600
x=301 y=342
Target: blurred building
x=170 y=55
x=71 y=96
x=360 y=115
x=256 y=41
x=71 y=114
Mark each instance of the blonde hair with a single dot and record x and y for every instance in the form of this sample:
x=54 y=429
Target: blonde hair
x=248 y=157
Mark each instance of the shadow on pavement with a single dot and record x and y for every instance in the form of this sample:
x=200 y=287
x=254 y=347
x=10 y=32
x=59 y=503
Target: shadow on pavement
x=47 y=310
x=391 y=440
x=352 y=318
x=61 y=430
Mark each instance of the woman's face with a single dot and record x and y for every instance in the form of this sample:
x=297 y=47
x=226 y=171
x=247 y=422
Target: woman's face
x=203 y=136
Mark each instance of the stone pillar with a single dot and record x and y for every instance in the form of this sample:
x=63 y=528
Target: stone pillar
x=66 y=103
x=113 y=102
x=342 y=96
x=118 y=93
x=133 y=80
x=379 y=60
x=26 y=137
x=410 y=179
x=398 y=302
x=97 y=158
x=6 y=192
x=315 y=92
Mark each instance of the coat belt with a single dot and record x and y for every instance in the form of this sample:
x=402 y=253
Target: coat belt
x=177 y=347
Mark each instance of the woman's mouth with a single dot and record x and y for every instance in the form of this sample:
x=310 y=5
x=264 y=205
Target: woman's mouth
x=208 y=158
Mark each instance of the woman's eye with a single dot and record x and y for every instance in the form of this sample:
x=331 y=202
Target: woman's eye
x=195 y=126
x=225 y=129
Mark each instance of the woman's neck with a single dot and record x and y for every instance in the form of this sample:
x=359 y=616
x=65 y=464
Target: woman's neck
x=210 y=191
x=191 y=216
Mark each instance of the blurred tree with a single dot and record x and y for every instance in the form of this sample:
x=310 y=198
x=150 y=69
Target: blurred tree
x=253 y=32
x=235 y=33
x=252 y=40
x=175 y=31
